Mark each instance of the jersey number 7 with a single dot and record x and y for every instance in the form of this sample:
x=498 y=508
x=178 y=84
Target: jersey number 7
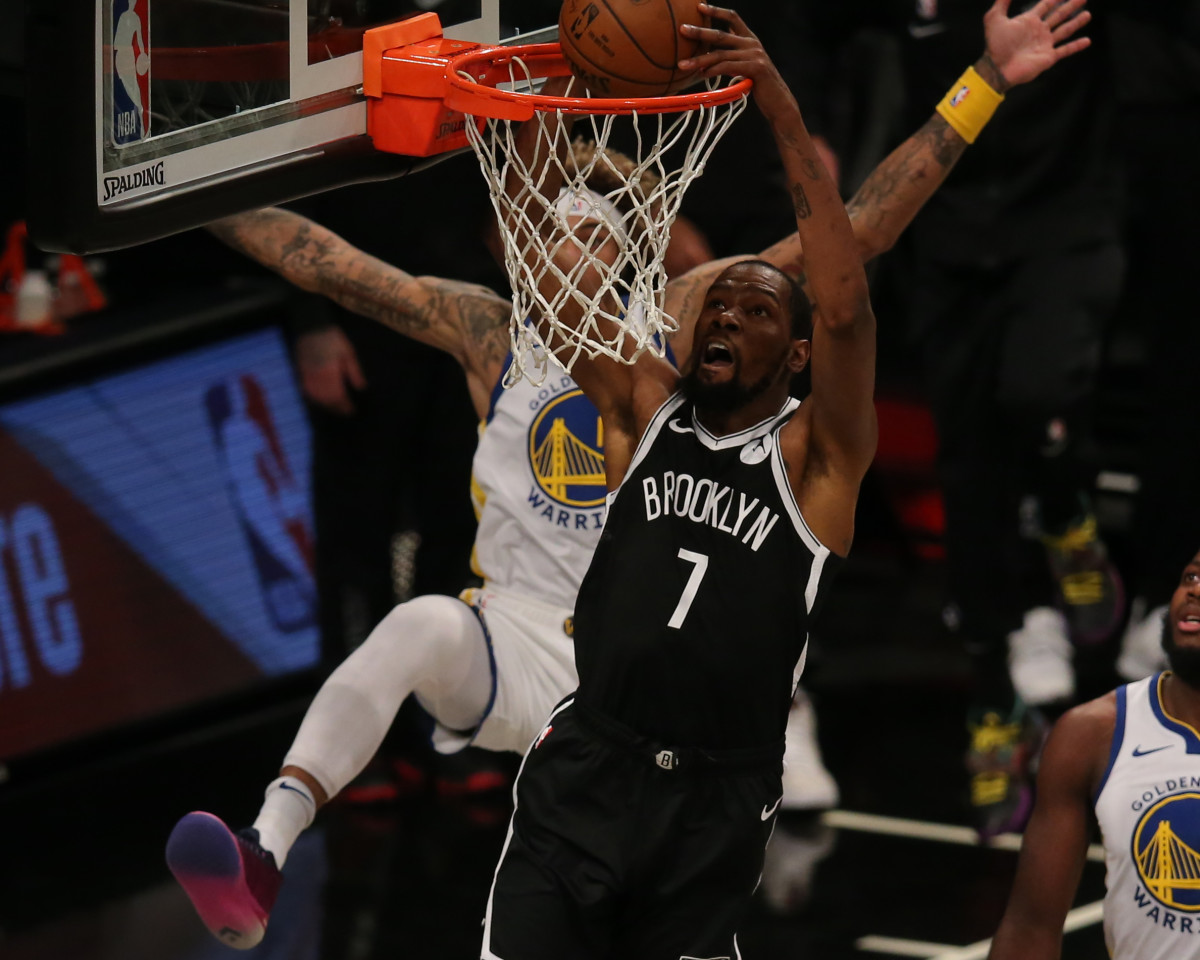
x=689 y=591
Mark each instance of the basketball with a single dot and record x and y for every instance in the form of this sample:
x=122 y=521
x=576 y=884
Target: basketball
x=629 y=48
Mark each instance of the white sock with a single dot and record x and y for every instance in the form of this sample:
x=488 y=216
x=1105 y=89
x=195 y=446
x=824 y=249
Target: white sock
x=286 y=812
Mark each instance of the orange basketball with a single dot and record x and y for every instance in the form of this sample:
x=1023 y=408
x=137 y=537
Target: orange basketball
x=629 y=48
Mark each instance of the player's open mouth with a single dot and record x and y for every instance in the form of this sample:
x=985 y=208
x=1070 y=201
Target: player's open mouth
x=1189 y=624
x=717 y=355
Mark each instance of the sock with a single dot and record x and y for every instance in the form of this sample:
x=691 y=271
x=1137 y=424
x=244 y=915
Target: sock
x=286 y=812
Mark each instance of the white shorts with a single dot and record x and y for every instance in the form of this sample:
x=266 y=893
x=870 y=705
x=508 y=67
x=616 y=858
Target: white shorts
x=533 y=668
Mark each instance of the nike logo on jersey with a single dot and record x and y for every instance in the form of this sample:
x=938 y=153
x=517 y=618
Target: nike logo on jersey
x=679 y=427
x=707 y=502
x=1139 y=752
x=766 y=814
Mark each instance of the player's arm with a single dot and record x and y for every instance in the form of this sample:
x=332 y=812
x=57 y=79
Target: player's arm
x=1054 y=848
x=468 y=321
x=839 y=421
x=1019 y=49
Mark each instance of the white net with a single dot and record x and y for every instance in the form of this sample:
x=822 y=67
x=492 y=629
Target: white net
x=596 y=246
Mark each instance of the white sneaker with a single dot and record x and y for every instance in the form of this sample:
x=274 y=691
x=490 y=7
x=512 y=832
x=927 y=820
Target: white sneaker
x=1039 y=658
x=790 y=866
x=807 y=785
x=1141 y=646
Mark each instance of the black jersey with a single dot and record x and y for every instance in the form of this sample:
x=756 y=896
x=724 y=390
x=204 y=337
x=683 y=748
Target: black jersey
x=692 y=620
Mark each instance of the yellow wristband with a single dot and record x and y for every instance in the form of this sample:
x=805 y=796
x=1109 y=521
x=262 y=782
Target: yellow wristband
x=969 y=105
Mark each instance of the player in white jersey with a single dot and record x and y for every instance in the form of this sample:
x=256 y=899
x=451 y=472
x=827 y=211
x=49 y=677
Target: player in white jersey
x=490 y=670
x=1132 y=757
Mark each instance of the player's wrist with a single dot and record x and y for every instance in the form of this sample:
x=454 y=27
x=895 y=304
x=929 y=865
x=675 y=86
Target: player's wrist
x=991 y=73
x=970 y=102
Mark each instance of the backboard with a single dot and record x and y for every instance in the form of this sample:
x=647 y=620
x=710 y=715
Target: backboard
x=148 y=117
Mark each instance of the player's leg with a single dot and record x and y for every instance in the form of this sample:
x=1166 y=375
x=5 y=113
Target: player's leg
x=552 y=895
x=701 y=867
x=534 y=659
x=433 y=646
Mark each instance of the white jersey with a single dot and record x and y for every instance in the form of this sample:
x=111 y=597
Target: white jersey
x=1148 y=807
x=539 y=489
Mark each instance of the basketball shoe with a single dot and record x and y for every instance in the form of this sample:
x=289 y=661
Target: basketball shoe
x=807 y=784
x=1002 y=764
x=1141 y=646
x=1090 y=593
x=1039 y=658
x=231 y=880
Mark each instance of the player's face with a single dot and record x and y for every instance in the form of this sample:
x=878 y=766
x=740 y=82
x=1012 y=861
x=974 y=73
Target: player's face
x=1183 y=618
x=743 y=335
x=596 y=237
x=1181 y=626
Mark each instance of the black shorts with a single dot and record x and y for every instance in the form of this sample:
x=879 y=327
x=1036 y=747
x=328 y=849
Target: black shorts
x=619 y=851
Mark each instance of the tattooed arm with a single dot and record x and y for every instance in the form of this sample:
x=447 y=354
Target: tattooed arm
x=828 y=445
x=1019 y=49
x=467 y=321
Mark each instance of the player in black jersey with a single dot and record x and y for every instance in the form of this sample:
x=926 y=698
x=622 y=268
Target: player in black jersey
x=643 y=809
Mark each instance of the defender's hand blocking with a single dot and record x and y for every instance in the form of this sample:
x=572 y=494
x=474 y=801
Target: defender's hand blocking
x=1024 y=47
x=735 y=52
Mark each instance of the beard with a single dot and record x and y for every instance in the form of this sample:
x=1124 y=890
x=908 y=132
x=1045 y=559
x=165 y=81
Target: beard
x=721 y=398
x=1183 y=661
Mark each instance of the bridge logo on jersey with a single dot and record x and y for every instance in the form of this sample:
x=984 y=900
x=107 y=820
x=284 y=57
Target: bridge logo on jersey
x=566 y=451
x=1166 y=850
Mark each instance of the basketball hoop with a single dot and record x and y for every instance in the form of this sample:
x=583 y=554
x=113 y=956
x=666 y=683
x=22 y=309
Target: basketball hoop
x=637 y=201
x=427 y=94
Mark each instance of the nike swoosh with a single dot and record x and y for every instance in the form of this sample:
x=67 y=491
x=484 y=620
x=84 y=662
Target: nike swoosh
x=288 y=786
x=766 y=814
x=919 y=31
x=1139 y=752
x=678 y=427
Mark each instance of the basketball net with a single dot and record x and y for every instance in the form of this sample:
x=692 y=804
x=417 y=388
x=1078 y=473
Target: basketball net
x=624 y=317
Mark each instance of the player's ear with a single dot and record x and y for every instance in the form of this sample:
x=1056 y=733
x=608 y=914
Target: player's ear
x=798 y=355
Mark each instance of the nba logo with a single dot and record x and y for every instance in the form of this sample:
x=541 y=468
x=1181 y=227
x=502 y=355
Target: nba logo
x=131 y=70
x=270 y=502
x=960 y=96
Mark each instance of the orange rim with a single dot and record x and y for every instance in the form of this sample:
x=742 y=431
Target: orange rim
x=489 y=66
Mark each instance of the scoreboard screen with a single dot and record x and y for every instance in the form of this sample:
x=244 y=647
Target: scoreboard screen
x=156 y=541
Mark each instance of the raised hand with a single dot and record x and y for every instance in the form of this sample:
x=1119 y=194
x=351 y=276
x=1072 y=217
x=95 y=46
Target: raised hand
x=1026 y=46
x=735 y=52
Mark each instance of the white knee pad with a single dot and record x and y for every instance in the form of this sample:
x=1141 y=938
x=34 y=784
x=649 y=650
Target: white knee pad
x=433 y=646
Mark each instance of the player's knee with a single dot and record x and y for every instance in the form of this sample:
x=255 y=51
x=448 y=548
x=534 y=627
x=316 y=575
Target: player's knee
x=434 y=629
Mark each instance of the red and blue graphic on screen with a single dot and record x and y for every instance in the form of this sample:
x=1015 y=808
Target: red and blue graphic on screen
x=131 y=70
x=156 y=544
x=271 y=504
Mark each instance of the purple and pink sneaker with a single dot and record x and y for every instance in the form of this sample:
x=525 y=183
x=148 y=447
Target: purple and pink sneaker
x=231 y=880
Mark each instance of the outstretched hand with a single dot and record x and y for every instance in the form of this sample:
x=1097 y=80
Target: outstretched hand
x=1026 y=46
x=735 y=52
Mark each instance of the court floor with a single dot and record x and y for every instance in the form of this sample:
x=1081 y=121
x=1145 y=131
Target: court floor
x=893 y=872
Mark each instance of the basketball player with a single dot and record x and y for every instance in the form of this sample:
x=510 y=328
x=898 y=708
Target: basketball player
x=489 y=672
x=644 y=805
x=1132 y=758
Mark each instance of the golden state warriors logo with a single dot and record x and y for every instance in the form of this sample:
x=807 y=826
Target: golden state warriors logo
x=1165 y=844
x=566 y=444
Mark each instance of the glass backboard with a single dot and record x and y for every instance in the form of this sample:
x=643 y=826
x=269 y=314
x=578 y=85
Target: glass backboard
x=153 y=116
